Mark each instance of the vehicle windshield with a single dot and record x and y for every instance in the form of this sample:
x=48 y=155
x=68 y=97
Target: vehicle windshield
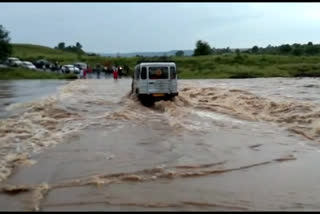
x=158 y=73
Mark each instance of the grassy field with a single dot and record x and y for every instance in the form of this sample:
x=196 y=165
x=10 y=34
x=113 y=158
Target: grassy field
x=213 y=66
x=20 y=73
x=248 y=66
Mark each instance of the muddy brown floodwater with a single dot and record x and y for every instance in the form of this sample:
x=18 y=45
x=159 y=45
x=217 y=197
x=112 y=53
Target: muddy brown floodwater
x=220 y=145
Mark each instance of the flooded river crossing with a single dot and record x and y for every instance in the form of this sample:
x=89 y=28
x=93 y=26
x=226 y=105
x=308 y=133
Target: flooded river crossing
x=250 y=144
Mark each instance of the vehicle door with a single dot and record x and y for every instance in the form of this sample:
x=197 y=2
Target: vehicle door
x=136 y=78
x=143 y=82
x=173 y=79
x=158 y=79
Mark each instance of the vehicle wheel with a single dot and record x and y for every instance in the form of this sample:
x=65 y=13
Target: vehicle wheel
x=169 y=98
x=146 y=100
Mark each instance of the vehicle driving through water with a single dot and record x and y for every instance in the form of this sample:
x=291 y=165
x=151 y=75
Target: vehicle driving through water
x=154 y=81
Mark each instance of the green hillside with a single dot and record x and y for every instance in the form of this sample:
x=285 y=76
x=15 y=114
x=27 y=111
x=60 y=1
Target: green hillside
x=32 y=52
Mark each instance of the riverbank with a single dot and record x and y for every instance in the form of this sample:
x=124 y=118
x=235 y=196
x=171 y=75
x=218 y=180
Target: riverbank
x=20 y=73
x=222 y=66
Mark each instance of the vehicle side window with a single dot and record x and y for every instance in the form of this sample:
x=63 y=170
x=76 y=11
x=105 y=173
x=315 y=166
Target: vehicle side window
x=143 y=73
x=173 y=73
x=137 y=73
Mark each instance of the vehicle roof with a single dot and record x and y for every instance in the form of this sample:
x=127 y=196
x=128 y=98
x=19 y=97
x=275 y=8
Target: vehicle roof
x=42 y=60
x=156 y=63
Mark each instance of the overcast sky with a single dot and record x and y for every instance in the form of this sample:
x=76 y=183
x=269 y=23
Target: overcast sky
x=131 y=27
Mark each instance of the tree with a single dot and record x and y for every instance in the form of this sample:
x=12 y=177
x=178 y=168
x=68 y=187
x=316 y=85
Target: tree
x=298 y=51
x=285 y=49
x=78 y=45
x=5 y=46
x=254 y=49
x=312 y=50
x=61 y=46
x=179 y=53
x=202 y=48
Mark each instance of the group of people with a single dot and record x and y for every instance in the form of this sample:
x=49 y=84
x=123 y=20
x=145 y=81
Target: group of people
x=116 y=72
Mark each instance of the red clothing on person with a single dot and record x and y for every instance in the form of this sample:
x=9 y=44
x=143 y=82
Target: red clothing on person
x=84 y=73
x=115 y=74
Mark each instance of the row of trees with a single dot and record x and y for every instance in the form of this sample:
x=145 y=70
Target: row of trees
x=296 y=49
x=203 y=48
x=309 y=49
x=5 y=46
x=75 y=49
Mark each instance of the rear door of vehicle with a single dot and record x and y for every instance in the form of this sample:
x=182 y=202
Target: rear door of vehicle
x=158 y=80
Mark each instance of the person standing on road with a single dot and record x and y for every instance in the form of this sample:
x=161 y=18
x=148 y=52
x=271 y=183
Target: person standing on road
x=120 y=73
x=88 y=71
x=115 y=74
x=80 y=74
x=85 y=70
x=98 y=71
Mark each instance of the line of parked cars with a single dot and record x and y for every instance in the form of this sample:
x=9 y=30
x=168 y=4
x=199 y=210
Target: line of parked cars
x=45 y=65
x=15 y=62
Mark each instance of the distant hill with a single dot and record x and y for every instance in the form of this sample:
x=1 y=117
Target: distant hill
x=34 y=51
x=159 y=53
x=148 y=54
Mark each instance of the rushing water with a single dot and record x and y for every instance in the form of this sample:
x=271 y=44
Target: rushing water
x=247 y=144
x=24 y=91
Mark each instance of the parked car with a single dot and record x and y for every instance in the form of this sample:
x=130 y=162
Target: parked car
x=80 y=65
x=3 y=66
x=12 y=61
x=28 y=65
x=42 y=64
x=70 y=69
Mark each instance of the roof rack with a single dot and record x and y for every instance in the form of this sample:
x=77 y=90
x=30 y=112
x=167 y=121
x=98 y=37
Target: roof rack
x=154 y=61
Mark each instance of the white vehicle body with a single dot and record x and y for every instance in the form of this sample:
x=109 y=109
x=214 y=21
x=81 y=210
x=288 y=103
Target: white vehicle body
x=12 y=61
x=28 y=65
x=80 y=65
x=155 y=80
x=70 y=69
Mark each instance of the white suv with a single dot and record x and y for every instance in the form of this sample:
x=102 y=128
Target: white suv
x=28 y=65
x=154 y=81
x=12 y=61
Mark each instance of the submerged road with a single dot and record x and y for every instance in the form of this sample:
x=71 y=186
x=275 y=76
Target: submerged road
x=220 y=145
